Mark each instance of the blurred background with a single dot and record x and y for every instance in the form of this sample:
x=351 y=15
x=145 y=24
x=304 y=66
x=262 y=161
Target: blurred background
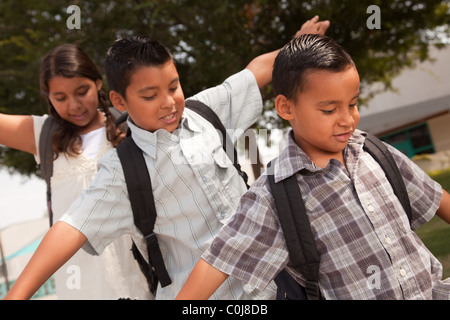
x=401 y=52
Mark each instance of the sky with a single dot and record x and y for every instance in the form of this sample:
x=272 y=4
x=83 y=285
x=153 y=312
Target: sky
x=21 y=198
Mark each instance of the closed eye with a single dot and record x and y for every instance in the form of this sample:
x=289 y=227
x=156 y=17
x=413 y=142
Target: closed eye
x=59 y=97
x=149 y=98
x=82 y=90
x=328 y=112
x=83 y=93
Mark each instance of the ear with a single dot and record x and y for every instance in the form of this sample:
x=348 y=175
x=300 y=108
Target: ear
x=117 y=100
x=284 y=107
x=99 y=84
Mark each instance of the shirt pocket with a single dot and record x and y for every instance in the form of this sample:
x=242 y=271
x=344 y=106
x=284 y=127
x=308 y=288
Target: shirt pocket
x=393 y=207
x=232 y=185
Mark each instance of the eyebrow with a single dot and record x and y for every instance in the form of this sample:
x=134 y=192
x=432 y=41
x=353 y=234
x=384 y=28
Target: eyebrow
x=149 y=88
x=329 y=102
x=83 y=86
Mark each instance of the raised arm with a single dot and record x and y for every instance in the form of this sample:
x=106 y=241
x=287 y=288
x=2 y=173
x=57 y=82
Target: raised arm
x=17 y=132
x=262 y=65
x=60 y=243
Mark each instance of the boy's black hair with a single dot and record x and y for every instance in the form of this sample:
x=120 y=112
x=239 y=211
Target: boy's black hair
x=302 y=55
x=127 y=55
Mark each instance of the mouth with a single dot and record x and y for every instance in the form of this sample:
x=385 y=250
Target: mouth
x=343 y=137
x=170 y=118
x=79 y=117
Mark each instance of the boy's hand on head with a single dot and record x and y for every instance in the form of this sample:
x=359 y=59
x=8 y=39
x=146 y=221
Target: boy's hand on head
x=313 y=26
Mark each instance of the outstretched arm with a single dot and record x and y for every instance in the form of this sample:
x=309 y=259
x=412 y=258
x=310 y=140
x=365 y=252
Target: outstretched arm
x=444 y=208
x=60 y=243
x=203 y=281
x=17 y=132
x=262 y=65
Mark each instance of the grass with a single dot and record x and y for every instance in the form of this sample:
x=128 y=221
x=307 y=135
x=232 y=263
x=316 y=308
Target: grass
x=436 y=233
x=443 y=177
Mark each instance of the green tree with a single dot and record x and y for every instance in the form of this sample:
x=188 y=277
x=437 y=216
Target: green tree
x=210 y=40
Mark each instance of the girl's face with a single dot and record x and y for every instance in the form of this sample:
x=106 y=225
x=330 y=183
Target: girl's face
x=76 y=101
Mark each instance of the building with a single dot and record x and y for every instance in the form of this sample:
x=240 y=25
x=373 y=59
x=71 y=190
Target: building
x=17 y=244
x=416 y=117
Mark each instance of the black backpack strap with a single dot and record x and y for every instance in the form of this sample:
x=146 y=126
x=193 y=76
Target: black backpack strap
x=115 y=113
x=120 y=119
x=46 y=156
x=297 y=231
x=376 y=148
x=207 y=113
x=142 y=203
x=141 y=193
x=296 y=227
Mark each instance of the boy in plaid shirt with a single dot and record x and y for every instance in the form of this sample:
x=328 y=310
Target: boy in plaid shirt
x=358 y=223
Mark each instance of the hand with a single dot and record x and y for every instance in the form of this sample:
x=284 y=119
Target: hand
x=313 y=26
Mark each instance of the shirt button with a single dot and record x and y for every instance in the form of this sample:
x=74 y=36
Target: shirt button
x=204 y=179
x=371 y=208
x=388 y=240
x=402 y=272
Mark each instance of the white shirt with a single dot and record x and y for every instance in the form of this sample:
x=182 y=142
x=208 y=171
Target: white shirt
x=195 y=188
x=87 y=277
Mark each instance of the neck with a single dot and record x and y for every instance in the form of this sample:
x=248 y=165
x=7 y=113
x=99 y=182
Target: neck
x=322 y=160
x=96 y=123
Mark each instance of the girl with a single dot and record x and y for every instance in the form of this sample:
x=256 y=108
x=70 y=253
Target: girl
x=72 y=86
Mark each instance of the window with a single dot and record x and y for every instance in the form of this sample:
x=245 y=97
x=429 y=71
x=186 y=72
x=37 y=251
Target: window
x=411 y=141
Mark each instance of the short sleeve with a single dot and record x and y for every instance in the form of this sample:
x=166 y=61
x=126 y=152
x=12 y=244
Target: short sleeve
x=251 y=246
x=103 y=212
x=237 y=101
x=424 y=193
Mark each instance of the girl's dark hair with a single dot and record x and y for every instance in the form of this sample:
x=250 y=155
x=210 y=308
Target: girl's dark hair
x=303 y=55
x=71 y=61
x=127 y=55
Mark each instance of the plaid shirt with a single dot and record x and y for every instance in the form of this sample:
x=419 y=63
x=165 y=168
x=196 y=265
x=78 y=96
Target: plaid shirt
x=366 y=246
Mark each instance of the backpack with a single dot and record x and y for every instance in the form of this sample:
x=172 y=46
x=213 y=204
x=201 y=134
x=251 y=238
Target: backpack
x=46 y=154
x=140 y=193
x=297 y=230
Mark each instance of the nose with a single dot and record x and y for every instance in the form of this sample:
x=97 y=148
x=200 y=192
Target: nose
x=74 y=103
x=347 y=117
x=168 y=102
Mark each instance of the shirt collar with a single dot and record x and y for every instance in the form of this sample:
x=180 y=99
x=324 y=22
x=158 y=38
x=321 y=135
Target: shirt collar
x=147 y=141
x=293 y=159
x=189 y=121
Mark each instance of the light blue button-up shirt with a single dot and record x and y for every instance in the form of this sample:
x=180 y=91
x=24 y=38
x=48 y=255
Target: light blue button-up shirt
x=195 y=186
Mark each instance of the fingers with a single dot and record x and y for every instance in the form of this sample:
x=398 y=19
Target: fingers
x=323 y=27
x=313 y=26
x=314 y=19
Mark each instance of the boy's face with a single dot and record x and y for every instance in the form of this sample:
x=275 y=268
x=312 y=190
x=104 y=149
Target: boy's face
x=325 y=115
x=154 y=98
